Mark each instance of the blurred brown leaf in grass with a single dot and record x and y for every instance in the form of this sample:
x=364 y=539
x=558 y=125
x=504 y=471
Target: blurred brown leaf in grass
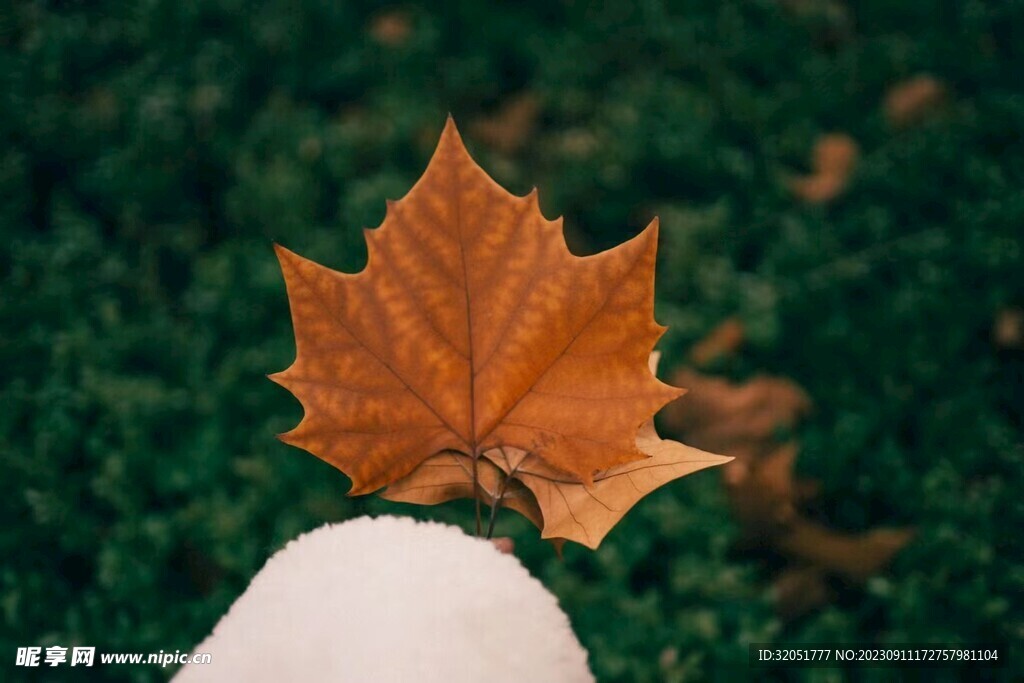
x=829 y=22
x=833 y=161
x=753 y=421
x=1008 y=329
x=509 y=128
x=722 y=341
x=739 y=419
x=391 y=28
x=912 y=101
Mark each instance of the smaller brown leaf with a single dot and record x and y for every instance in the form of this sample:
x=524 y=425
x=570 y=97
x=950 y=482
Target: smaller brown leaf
x=510 y=127
x=585 y=514
x=391 y=28
x=734 y=419
x=829 y=21
x=556 y=502
x=855 y=557
x=1008 y=330
x=834 y=158
x=724 y=340
x=912 y=101
x=763 y=492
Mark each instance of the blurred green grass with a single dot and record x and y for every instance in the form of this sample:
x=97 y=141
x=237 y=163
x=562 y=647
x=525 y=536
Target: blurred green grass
x=152 y=151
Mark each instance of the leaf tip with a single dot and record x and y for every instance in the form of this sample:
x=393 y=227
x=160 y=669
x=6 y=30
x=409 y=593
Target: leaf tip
x=654 y=226
x=451 y=131
x=360 y=488
x=282 y=252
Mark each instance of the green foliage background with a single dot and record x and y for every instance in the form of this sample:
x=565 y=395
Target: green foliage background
x=153 y=150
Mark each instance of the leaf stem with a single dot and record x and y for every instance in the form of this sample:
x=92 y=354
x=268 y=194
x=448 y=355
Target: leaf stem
x=496 y=500
x=496 y=504
x=476 y=493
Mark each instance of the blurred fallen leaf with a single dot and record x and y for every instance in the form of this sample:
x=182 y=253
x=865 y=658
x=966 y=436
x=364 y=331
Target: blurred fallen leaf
x=834 y=159
x=751 y=421
x=391 y=28
x=668 y=658
x=722 y=341
x=913 y=100
x=855 y=557
x=742 y=420
x=509 y=128
x=829 y=21
x=1008 y=330
x=763 y=493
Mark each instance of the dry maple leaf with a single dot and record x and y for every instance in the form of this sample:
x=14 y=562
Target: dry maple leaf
x=563 y=508
x=472 y=328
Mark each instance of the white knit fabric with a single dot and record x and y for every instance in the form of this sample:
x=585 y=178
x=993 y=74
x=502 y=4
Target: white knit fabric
x=392 y=599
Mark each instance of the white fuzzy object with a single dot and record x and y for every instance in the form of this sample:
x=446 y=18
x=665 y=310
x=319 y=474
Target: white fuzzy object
x=392 y=599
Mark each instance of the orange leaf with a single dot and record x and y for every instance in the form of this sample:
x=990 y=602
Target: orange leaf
x=471 y=328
